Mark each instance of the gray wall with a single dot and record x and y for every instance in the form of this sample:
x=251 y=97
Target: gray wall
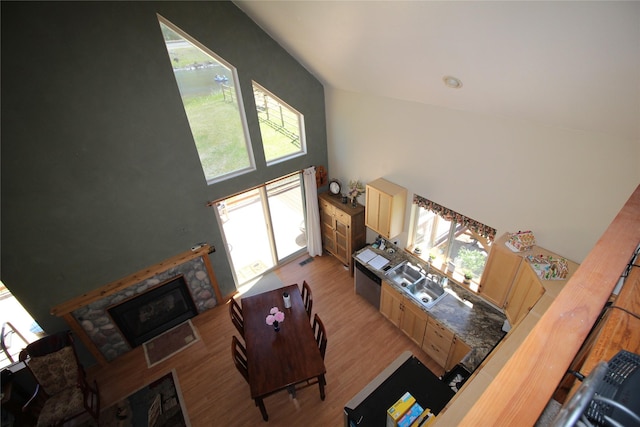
x=100 y=175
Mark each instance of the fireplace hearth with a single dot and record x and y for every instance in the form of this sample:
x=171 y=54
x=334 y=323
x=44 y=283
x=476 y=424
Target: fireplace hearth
x=154 y=312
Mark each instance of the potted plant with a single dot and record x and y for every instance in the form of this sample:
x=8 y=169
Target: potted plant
x=467 y=277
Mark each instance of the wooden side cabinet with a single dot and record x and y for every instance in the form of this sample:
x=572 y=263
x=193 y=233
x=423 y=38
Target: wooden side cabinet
x=343 y=230
x=385 y=206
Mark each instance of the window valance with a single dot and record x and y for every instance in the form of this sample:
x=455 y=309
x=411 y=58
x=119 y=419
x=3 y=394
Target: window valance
x=451 y=215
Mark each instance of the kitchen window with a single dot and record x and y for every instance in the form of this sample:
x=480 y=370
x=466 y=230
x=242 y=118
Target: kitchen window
x=449 y=240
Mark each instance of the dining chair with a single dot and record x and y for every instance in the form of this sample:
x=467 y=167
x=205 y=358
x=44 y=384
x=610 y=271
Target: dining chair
x=307 y=297
x=320 y=333
x=235 y=311
x=62 y=391
x=239 y=355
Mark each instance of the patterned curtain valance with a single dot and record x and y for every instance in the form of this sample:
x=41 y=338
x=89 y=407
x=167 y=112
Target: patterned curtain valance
x=449 y=215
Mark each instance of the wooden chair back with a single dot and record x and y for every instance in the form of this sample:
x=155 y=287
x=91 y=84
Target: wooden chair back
x=235 y=311
x=307 y=298
x=239 y=354
x=320 y=334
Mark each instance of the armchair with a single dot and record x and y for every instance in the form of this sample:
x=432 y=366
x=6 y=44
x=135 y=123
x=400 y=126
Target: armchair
x=62 y=390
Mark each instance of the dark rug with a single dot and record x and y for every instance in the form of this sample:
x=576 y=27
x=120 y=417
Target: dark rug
x=158 y=404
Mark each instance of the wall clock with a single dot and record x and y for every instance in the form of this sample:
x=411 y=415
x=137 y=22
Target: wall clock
x=334 y=187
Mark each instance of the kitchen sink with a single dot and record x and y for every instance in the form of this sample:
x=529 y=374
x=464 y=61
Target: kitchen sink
x=421 y=288
x=427 y=292
x=405 y=274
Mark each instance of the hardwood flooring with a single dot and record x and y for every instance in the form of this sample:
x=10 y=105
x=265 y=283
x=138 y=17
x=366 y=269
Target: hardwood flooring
x=361 y=343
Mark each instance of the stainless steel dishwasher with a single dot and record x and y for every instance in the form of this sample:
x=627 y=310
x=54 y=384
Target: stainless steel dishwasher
x=367 y=284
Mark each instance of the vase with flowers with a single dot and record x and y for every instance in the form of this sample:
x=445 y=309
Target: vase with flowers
x=274 y=318
x=355 y=189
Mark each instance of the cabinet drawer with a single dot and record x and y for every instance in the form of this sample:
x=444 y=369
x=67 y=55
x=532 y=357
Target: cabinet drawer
x=327 y=207
x=438 y=354
x=435 y=337
x=342 y=217
x=440 y=330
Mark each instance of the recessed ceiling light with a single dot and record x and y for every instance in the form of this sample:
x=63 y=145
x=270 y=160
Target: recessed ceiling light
x=452 y=82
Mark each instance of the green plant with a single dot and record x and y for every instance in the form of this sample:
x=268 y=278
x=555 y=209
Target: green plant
x=468 y=275
x=472 y=261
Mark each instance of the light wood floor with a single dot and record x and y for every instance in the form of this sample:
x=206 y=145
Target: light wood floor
x=361 y=343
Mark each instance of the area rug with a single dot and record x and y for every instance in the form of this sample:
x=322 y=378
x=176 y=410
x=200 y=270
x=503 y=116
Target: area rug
x=169 y=343
x=158 y=404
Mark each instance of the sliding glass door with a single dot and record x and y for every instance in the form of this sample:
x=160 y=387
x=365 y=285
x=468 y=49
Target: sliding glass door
x=263 y=226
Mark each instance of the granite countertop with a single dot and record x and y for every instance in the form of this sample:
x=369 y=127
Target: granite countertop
x=473 y=320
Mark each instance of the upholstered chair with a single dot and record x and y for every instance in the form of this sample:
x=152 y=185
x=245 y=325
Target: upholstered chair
x=62 y=390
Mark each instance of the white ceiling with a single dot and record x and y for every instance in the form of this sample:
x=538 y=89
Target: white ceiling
x=568 y=64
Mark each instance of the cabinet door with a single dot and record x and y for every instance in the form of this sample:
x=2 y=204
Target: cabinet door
x=499 y=273
x=459 y=349
x=327 y=230
x=414 y=321
x=342 y=242
x=372 y=209
x=391 y=304
x=525 y=292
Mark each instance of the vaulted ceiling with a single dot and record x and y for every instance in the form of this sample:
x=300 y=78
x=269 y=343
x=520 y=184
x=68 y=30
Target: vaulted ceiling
x=568 y=64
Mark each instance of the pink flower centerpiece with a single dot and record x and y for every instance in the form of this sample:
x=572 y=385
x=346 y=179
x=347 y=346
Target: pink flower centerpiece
x=274 y=318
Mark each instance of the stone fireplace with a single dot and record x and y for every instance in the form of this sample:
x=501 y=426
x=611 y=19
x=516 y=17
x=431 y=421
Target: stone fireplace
x=171 y=291
x=154 y=312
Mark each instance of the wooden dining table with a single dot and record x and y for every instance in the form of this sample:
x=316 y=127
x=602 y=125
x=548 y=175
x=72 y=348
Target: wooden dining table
x=278 y=360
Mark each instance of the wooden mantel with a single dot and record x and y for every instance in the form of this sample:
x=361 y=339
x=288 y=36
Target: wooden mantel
x=66 y=309
x=522 y=388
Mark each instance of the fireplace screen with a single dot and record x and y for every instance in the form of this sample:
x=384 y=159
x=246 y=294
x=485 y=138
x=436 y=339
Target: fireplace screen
x=153 y=312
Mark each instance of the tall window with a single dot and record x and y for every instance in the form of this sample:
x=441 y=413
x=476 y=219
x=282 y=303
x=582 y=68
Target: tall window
x=211 y=97
x=450 y=240
x=281 y=126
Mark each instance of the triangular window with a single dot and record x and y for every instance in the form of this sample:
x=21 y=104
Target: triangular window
x=210 y=93
x=281 y=126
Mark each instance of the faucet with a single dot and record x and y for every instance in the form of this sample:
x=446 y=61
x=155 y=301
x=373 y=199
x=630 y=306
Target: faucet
x=424 y=270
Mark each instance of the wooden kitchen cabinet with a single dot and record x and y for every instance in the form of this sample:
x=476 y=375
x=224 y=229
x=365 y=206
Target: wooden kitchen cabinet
x=443 y=346
x=459 y=349
x=342 y=228
x=403 y=313
x=525 y=292
x=500 y=270
x=391 y=303
x=511 y=283
x=385 y=207
x=437 y=342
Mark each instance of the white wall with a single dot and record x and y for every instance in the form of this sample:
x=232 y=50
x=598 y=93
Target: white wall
x=565 y=185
